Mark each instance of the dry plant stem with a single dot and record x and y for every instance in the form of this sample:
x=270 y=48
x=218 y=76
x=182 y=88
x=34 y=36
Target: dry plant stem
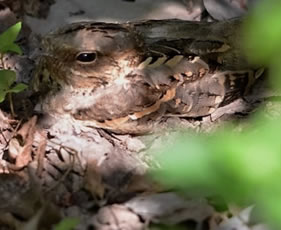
x=17 y=127
x=13 y=134
x=11 y=105
x=41 y=152
x=2 y=134
x=9 y=94
x=1 y=60
x=57 y=183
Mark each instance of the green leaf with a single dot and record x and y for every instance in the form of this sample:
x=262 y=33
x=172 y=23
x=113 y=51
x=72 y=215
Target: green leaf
x=2 y=96
x=11 y=47
x=67 y=224
x=218 y=203
x=263 y=32
x=186 y=164
x=7 y=78
x=8 y=37
x=166 y=227
x=18 y=88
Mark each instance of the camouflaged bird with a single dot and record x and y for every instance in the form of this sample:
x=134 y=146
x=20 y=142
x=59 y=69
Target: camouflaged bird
x=127 y=77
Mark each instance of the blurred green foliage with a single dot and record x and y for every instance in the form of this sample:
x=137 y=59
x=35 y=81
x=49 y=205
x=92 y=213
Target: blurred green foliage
x=240 y=167
x=67 y=224
x=262 y=32
x=8 y=77
x=166 y=227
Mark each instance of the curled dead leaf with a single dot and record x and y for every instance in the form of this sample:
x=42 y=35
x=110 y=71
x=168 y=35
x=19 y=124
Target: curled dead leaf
x=20 y=146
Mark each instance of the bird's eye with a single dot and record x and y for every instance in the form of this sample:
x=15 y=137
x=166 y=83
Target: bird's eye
x=86 y=57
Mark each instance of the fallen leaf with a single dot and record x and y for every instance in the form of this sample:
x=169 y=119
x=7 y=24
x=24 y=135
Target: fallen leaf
x=93 y=180
x=20 y=146
x=40 y=153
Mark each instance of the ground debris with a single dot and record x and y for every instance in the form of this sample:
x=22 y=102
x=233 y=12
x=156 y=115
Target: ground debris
x=116 y=217
x=20 y=146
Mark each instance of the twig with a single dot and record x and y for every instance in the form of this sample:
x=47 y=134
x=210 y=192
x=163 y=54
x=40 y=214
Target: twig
x=40 y=153
x=11 y=104
x=1 y=60
x=62 y=178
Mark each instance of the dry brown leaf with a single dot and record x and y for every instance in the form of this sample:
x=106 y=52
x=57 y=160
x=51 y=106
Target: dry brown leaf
x=27 y=128
x=27 y=131
x=41 y=152
x=6 y=129
x=20 y=146
x=93 y=180
x=5 y=120
x=14 y=148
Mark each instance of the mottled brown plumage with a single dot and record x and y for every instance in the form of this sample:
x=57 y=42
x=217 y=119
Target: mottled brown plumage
x=126 y=77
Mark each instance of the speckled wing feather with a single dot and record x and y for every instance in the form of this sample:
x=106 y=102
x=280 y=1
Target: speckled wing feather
x=126 y=77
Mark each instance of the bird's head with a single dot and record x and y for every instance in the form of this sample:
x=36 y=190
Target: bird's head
x=87 y=53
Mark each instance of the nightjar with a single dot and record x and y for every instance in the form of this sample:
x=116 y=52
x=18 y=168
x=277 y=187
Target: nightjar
x=127 y=77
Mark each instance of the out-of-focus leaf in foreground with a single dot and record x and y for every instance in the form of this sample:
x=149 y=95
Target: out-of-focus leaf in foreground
x=262 y=38
x=240 y=167
x=163 y=227
x=263 y=32
x=67 y=224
